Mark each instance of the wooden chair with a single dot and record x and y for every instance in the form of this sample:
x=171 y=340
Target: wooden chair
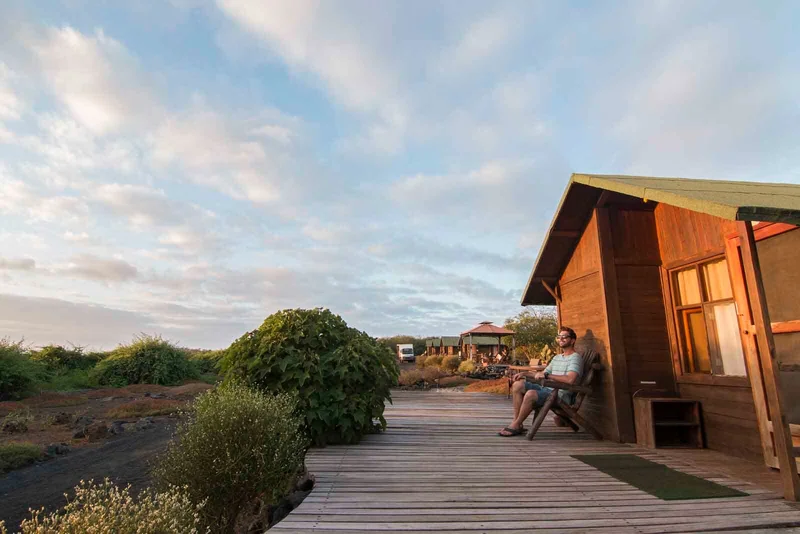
x=569 y=412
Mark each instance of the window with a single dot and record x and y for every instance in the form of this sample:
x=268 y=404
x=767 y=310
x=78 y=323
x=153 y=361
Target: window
x=706 y=319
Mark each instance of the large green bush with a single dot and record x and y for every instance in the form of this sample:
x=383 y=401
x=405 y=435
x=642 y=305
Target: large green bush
x=147 y=360
x=107 y=508
x=342 y=375
x=206 y=361
x=18 y=374
x=58 y=358
x=237 y=445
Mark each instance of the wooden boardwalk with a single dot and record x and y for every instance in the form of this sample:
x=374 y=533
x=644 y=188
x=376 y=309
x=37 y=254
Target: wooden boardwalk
x=441 y=467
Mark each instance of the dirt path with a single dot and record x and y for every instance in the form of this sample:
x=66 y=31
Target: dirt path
x=125 y=459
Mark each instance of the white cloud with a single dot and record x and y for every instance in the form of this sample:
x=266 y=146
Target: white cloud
x=11 y=104
x=91 y=267
x=21 y=264
x=94 y=77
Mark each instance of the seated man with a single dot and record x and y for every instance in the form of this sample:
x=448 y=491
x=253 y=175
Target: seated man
x=565 y=367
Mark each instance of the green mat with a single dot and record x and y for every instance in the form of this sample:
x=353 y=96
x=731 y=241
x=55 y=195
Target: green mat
x=656 y=479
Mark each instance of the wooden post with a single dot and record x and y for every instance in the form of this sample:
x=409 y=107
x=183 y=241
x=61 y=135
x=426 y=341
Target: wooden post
x=618 y=364
x=781 y=433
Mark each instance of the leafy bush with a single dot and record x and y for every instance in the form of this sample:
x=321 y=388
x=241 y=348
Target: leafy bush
x=466 y=367
x=107 y=508
x=450 y=363
x=410 y=377
x=420 y=361
x=249 y=445
x=206 y=361
x=431 y=374
x=56 y=357
x=342 y=375
x=70 y=380
x=148 y=360
x=16 y=455
x=433 y=361
x=18 y=373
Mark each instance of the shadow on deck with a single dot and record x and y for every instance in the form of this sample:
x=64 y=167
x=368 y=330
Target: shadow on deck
x=441 y=466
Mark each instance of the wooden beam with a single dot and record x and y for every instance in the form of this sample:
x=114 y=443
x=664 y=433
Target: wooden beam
x=551 y=291
x=566 y=233
x=623 y=405
x=767 y=230
x=782 y=436
x=786 y=327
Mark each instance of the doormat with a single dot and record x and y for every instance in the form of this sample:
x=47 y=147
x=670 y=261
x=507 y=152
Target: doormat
x=656 y=479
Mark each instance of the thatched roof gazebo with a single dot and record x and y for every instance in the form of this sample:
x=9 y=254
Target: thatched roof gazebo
x=484 y=335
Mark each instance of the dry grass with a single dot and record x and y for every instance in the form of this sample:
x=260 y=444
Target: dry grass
x=409 y=377
x=6 y=407
x=54 y=400
x=190 y=390
x=454 y=381
x=145 y=407
x=499 y=386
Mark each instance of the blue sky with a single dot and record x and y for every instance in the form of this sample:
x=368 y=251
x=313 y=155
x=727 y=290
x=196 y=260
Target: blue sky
x=187 y=167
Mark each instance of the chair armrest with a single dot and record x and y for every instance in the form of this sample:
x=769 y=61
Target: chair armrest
x=555 y=384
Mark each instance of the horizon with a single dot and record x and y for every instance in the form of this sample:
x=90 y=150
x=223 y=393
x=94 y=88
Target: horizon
x=188 y=167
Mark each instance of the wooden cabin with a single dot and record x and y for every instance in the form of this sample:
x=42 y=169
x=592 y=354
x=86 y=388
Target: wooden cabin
x=450 y=345
x=433 y=346
x=686 y=288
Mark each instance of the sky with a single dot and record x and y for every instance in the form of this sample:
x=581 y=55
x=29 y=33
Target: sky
x=188 y=167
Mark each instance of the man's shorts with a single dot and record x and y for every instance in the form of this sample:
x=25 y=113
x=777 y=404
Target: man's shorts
x=541 y=392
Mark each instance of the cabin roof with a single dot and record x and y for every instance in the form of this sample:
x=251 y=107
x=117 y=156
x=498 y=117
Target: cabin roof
x=482 y=340
x=742 y=201
x=486 y=327
x=450 y=341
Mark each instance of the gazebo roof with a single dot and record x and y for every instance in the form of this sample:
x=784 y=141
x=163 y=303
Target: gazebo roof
x=487 y=328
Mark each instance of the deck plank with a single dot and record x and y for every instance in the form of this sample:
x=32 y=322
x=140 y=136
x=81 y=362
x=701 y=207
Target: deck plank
x=440 y=466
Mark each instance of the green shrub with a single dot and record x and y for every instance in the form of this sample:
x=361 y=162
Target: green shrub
x=237 y=444
x=206 y=361
x=466 y=367
x=18 y=373
x=16 y=455
x=450 y=363
x=70 y=380
x=342 y=375
x=420 y=361
x=433 y=361
x=56 y=358
x=107 y=508
x=147 y=360
x=410 y=377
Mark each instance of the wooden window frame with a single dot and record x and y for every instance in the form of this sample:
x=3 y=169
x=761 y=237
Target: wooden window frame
x=704 y=306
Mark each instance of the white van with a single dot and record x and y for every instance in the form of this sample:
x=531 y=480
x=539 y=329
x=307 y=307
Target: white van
x=405 y=352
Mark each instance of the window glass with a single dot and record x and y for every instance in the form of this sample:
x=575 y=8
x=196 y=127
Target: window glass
x=718 y=283
x=729 y=340
x=696 y=341
x=688 y=287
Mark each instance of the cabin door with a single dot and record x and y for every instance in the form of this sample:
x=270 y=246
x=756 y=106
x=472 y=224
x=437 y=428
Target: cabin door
x=755 y=367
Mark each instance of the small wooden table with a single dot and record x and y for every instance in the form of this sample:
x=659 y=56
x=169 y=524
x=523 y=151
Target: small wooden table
x=668 y=422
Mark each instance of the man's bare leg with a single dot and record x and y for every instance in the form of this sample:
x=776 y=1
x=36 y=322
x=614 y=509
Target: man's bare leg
x=517 y=392
x=528 y=402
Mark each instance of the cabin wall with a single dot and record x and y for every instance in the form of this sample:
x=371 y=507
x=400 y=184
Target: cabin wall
x=644 y=323
x=728 y=409
x=582 y=308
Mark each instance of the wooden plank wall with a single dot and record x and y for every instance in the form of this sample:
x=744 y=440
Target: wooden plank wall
x=582 y=309
x=729 y=414
x=637 y=258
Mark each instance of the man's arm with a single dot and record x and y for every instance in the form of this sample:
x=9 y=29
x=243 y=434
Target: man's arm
x=568 y=378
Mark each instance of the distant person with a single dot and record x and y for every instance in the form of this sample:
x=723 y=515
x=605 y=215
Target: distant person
x=565 y=367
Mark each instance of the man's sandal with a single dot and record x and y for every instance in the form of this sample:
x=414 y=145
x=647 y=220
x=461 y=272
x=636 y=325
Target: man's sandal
x=511 y=432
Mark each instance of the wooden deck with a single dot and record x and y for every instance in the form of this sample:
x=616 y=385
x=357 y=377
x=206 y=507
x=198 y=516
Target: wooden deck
x=440 y=466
